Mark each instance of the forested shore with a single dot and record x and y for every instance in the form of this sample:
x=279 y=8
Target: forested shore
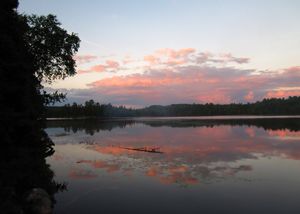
x=273 y=106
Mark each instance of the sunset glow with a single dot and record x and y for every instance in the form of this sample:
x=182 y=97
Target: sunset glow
x=139 y=59
x=157 y=106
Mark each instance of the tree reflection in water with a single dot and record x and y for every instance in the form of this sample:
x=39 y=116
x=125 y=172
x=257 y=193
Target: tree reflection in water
x=90 y=126
x=23 y=169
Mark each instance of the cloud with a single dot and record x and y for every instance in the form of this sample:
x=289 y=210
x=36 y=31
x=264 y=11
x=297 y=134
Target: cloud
x=250 y=96
x=282 y=93
x=185 y=75
x=229 y=58
x=151 y=59
x=210 y=58
x=109 y=66
x=82 y=59
x=187 y=56
x=112 y=64
x=183 y=85
x=169 y=56
x=184 y=52
x=162 y=58
x=190 y=84
x=128 y=59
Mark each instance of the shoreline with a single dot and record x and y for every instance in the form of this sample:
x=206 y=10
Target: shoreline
x=214 y=117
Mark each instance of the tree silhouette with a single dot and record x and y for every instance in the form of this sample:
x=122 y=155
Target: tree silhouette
x=33 y=49
x=51 y=46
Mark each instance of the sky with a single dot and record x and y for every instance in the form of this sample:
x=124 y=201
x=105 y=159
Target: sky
x=142 y=52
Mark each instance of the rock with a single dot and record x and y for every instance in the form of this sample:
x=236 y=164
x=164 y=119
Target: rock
x=38 y=202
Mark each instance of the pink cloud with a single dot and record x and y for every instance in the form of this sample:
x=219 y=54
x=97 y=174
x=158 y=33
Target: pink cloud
x=140 y=80
x=165 y=58
x=152 y=60
x=81 y=59
x=207 y=57
x=171 y=53
x=293 y=70
x=187 y=76
x=110 y=65
x=184 y=56
x=216 y=96
x=127 y=59
x=169 y=56
x=203 y=57
x=194 y=83
x=229 y=58
x=188 y=84
x=282 y=93
x=98 y=68
x=250 y=96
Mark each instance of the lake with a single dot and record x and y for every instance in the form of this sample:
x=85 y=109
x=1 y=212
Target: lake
x=177 y=165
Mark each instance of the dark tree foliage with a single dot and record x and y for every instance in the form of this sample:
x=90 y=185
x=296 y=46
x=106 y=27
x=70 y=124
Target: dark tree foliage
x=28 y=56
x=20 y=98
x=51 y=46
x=281 y=106
x=33 y=49
x=52 y=49
x=88 y=109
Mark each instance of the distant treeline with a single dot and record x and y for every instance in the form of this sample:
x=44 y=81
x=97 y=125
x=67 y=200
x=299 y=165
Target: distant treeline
x=273 y=106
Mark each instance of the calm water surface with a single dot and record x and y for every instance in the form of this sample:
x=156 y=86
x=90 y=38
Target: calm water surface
x=219 y=165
